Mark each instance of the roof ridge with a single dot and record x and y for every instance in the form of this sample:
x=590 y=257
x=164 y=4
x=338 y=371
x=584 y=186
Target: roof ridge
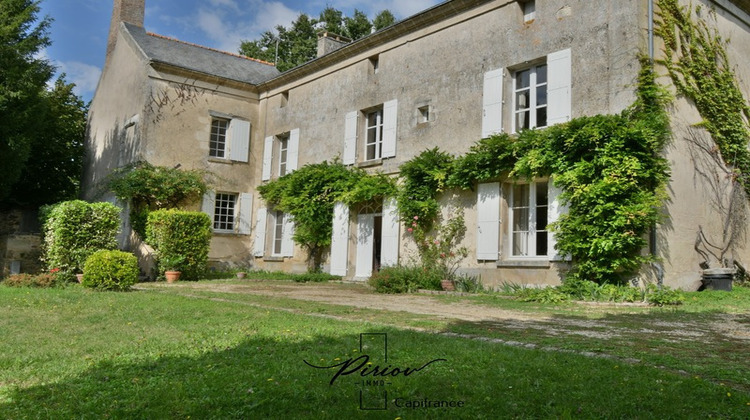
x=209 y=48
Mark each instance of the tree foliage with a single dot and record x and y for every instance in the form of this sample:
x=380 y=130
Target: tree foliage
x=293 y=46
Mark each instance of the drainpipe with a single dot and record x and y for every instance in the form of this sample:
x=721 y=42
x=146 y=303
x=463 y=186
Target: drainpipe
x=652 y=235
x=651 y=29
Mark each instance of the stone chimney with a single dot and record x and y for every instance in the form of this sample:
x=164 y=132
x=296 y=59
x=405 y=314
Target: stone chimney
x=329 y=42
x=130 y=11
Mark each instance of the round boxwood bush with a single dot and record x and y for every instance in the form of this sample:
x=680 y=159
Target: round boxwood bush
x=110 y=270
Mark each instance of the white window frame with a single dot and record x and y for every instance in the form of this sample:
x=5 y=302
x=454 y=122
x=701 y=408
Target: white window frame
x=377 y=139
x=217 y=146
x=222 y=201
x=283 y=141
x=532 y=107
x=277 y=234
x=532 y=232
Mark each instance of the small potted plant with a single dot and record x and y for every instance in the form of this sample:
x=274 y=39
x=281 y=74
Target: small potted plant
x=241 y=275
x=171 y=265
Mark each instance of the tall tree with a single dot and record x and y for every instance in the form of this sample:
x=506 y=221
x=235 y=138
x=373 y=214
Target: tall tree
x=357 y=26
x=332 y=20
x=23 y=77
x=383 y=20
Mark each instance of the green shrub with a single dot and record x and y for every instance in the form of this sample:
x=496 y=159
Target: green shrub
x=663 y=295
x=314 y=277
x=468 y=284
x=73 y=230
x=544 y=295
x=180 y=236
x=404 y=279
x=31 y=280
x=110 y=270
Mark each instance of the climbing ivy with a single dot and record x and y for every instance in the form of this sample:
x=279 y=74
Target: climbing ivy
x=697 y=62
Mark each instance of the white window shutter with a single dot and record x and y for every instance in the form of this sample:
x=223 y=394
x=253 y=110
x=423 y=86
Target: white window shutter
x=488 y=221
x=365 y=244
x=267 y=158
x=390 y=234
x=553 y=214
x=492 y=103
x=350 y=138
x=209 y=205
x=239 y=136
x=559 y=75
x=260 y=233
x=287 y=236
x=390 y=128
x=245 y=214
x=292 y=151
x=340 y=240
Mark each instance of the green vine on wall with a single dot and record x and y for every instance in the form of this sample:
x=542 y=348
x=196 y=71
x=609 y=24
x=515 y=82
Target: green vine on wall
x=697 y=61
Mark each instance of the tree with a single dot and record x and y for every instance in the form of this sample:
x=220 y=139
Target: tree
x=23 y=76
x=333 y=20
x=383 y=20
x=358 y=26
x=53 y=170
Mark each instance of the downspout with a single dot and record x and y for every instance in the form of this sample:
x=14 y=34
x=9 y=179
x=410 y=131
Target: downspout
x=651 y=30
x=652 y=236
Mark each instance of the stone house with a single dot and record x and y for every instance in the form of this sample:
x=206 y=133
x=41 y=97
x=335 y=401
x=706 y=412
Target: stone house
x=445 y=77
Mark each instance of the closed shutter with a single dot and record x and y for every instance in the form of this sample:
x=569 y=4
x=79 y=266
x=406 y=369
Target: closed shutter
x=209 y=205
x=287 y=236
x=239 y=136
x=260 y=233
x=340 y=240
x=365 y=242
x=267 y=158
x=390 y=128
x=350 y=138
x=492 y=103
x=390 y=232
x=556 y=209
x=245 y=214
x=558 y=87
x=292 y=151
x=488 y=221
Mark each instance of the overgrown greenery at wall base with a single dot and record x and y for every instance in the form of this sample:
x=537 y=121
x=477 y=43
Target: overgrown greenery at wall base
x=110 y=270
x=697 y=61
x=181 y=240
x=147 y=187
x=73 y=230
x=423 y=178
x=310 y=193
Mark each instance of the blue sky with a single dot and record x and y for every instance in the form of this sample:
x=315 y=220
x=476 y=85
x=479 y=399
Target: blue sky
x=79 y=30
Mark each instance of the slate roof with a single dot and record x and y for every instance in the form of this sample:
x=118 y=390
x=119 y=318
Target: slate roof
x=204 y=60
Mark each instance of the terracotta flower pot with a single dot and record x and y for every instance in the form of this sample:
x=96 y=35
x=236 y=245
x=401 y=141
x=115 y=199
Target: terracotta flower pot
x=447 y=285
x=172 y=276
x=241 y=275
x=79 y=277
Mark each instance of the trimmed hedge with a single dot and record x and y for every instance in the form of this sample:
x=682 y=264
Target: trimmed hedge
x=110 y=270
x=180 y=236
x=73 y=230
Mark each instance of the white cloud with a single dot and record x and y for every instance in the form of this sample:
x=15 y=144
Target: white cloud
x=85 y=76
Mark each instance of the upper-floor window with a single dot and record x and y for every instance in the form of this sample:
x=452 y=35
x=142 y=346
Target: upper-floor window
x=374 y=145
x=280 y=154
x=218 y=144
x=530 y=98
x=528 y=208
x=283 y=153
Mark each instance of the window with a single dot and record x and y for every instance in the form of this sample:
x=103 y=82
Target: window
x=530 y=98
x=529 y=11
x=218 y=143
x=424 y=114
x=224 y=212
x=283 y=153
x=284 y=99
x=278 y=233
x=375 y=63
x=528 y=208
x=374 y=144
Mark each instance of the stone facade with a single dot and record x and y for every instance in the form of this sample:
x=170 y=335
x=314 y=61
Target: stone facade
x=20 y=243
x=442 y=78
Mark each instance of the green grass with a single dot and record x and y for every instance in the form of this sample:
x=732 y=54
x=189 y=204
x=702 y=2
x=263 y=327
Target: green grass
x=73 y=353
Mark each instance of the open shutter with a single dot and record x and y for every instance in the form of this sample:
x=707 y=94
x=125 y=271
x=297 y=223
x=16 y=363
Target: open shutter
x=287 y=236
x=555 y=210
x=350 y=138
x=245 y=215
x=390 y=125
x=260 y=233
x=239 y=135
x=558 y=87
x=267 y=157
x=365 y=242
x=292 y=151
x=492 y=103
x=209 y=205
x=340 y=240
x=488 y=221
x=390 y=233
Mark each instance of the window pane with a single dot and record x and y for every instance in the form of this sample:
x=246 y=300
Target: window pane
x=521 y=219
x=520 y=243
x=541 y=193
x=522 y=99
x=541 y=96
x=541 y=74
x=541 y=117
x=520 y=195
x=541 y=243
x=371 y=152
x=523 y=79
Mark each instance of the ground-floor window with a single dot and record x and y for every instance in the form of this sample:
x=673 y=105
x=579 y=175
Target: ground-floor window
x=528 y=208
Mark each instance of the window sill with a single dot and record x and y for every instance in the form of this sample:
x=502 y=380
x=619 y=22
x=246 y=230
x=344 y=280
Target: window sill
x=523 y=264
x=220 y=160
x=224 y=233
x=273 y=259
x=370 y=163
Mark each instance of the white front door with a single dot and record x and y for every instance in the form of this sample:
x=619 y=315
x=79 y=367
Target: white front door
x=365 y=243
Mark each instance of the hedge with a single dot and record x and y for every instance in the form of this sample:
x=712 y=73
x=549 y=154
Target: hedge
x=110 y=270
x=73 y=230
x=182 y=238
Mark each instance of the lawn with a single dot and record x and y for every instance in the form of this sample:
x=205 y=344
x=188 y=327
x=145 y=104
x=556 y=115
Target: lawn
x=73 y=353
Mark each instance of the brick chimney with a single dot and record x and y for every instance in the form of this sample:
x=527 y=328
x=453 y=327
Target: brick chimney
x=130 y=11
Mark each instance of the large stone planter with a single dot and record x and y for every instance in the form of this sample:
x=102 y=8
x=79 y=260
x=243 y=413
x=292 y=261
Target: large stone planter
x=718 y=279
